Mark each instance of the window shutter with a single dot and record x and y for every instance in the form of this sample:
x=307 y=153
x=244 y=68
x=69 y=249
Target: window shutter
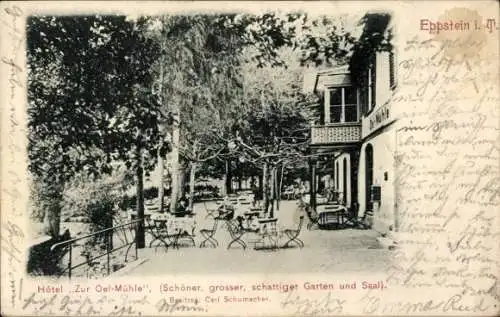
x=392 y=70
x=364 y=97
x=373 y=81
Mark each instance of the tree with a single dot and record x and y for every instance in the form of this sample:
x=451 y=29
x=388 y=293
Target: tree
x=98 y=108
x=229 y=38
x=187 y=68
x=208 y=71
x=95 y=109
x=199 y=70
x=279 y=122
x=271 y=127
x=325 y=40
x=376 y=36
x=202 y=66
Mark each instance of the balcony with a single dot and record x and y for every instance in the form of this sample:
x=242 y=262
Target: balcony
x=336 y=134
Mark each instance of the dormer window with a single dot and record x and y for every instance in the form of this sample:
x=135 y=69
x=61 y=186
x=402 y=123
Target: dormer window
x=342 y=103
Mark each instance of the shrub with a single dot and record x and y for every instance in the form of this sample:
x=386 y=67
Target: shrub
x=83 y=199
x=129 y=202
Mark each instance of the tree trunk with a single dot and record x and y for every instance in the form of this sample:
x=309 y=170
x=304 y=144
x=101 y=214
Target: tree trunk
x=52 y=196
x=182 y=181
x=161 y=191
x=228 y=178
x=261 y=185
x=280 y=186
x=175 y=164
x=240 y=176
x=273 y=191
x=140 y=196
x=312 y=187
x=110 y=233
x=52 y=219
x=265 y=196
x=224 y=181
x=192 y=179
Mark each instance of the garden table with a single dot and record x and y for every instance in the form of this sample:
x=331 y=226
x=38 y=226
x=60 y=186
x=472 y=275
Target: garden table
x=331 y=214
x=133 y=216
x=169 y=229
x=320 y=200
x=250 y=218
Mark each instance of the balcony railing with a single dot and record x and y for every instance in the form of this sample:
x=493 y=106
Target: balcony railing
x=336 y=133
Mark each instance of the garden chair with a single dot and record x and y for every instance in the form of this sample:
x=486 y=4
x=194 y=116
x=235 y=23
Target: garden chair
x=269 y=235
x=185 y=236
x=313 y=220
x=236 y=233
x=149 y=228
x=166 y=205
x=125 y=235
x=212 y=212
x=160 y=233
x=351 y=217
x=185 y=227
x=293 y=235
x=208 y=235
x=288 y=194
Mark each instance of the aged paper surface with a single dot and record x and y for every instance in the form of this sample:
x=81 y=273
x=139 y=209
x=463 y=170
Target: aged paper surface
x=444 y=157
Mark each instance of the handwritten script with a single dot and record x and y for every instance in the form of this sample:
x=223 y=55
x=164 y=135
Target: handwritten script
x=448 y=181
x=322 y=305
x=121 y=305
x=12 y=234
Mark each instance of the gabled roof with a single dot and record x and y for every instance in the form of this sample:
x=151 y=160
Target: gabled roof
x=334 y=71
x=324 y=76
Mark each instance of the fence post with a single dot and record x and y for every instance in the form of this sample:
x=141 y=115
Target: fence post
x=135 y=242
x=69 y=262
x=110 y=225
x=108 y=247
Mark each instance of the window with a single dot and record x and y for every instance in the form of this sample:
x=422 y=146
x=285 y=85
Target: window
x=343 y=103
x=351 y=105
x=371 y=86
x=336 y=105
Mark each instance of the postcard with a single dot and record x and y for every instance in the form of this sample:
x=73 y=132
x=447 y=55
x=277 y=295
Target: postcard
x=250 y=158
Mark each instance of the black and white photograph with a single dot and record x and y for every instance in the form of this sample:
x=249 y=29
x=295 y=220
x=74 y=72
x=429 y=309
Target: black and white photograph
x=210 y=138
x=230 y=158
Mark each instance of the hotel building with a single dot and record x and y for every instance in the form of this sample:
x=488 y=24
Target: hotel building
x=354 y=139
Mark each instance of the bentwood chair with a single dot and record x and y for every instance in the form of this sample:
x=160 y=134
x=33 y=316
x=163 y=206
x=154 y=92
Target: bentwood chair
x=208 y=235
x=293 y=235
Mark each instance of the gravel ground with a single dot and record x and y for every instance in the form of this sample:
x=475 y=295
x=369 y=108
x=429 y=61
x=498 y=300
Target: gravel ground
x=345 y=250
